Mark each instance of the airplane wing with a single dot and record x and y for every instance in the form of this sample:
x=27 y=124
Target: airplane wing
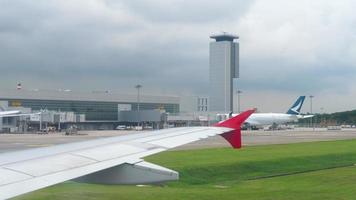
x=304 y=116
x=13 y=112
x=115 y=160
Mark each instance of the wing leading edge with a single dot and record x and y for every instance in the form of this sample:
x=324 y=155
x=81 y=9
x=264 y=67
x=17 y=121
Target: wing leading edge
x=116 y=160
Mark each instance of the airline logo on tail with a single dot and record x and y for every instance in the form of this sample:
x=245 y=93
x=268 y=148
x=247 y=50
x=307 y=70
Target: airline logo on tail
x=297 y=106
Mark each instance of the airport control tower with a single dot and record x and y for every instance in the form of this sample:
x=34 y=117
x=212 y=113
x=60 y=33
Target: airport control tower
x=223 y=68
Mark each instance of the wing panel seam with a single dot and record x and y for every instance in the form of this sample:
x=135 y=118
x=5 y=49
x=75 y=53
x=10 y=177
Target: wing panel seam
x=86 y=157
x=17 y=171
x=175 y=135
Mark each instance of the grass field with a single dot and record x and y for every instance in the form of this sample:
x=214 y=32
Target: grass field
x=318 y=170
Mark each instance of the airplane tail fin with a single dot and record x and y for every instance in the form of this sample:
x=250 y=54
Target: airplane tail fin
x=297 y=106
x=234 y=136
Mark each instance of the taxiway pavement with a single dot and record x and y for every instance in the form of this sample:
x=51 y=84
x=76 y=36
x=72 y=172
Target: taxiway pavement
x=14 y=142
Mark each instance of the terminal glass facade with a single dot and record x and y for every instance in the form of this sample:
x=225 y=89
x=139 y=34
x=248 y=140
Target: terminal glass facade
x=93 y=110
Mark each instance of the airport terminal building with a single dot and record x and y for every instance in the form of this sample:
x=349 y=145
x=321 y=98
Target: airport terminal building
x=90 y=107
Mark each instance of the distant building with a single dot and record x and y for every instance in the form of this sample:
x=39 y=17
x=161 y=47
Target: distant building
x=93 y=110
x=191 y=104
x=95 y=106
x=223 y=68
x=203 y=105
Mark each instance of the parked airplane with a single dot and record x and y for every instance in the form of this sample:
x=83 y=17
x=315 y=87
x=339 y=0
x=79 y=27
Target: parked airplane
x=4 y=113
x=14 y=113
x=115 y=160
x=263 y=119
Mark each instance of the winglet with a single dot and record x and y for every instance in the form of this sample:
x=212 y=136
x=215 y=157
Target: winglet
x=234 y=136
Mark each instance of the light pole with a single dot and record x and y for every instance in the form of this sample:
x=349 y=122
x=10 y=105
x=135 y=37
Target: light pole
x=59 y=120
x=238 y=92
x=321 y=115
x=311 y=110
x=41 y=120
x=138 y=87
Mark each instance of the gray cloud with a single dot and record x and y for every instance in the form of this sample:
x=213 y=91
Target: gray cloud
x=286 y=46
x=198 y=11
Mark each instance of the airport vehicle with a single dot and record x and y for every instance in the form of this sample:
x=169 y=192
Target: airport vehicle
x=115 y=160
x=121 y=127
x=263 y=119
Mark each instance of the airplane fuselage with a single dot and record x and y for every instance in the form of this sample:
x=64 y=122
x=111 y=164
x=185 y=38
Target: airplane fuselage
x=4 y=113
x=262 y=119
x=270 y=118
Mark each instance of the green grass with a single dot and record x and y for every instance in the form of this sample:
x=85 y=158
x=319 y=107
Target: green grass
x=318 y=170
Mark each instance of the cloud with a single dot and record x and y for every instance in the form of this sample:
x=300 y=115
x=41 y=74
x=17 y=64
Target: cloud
x=287 y=47
x=189 y=12
x=302 y=46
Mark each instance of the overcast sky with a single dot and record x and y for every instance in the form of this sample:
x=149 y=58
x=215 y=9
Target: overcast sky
x=287 y=48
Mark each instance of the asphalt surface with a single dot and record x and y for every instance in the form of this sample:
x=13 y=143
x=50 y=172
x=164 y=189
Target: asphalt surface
x=14 y=142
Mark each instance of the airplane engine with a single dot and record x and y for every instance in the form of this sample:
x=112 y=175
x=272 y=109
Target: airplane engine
x=131 y=174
